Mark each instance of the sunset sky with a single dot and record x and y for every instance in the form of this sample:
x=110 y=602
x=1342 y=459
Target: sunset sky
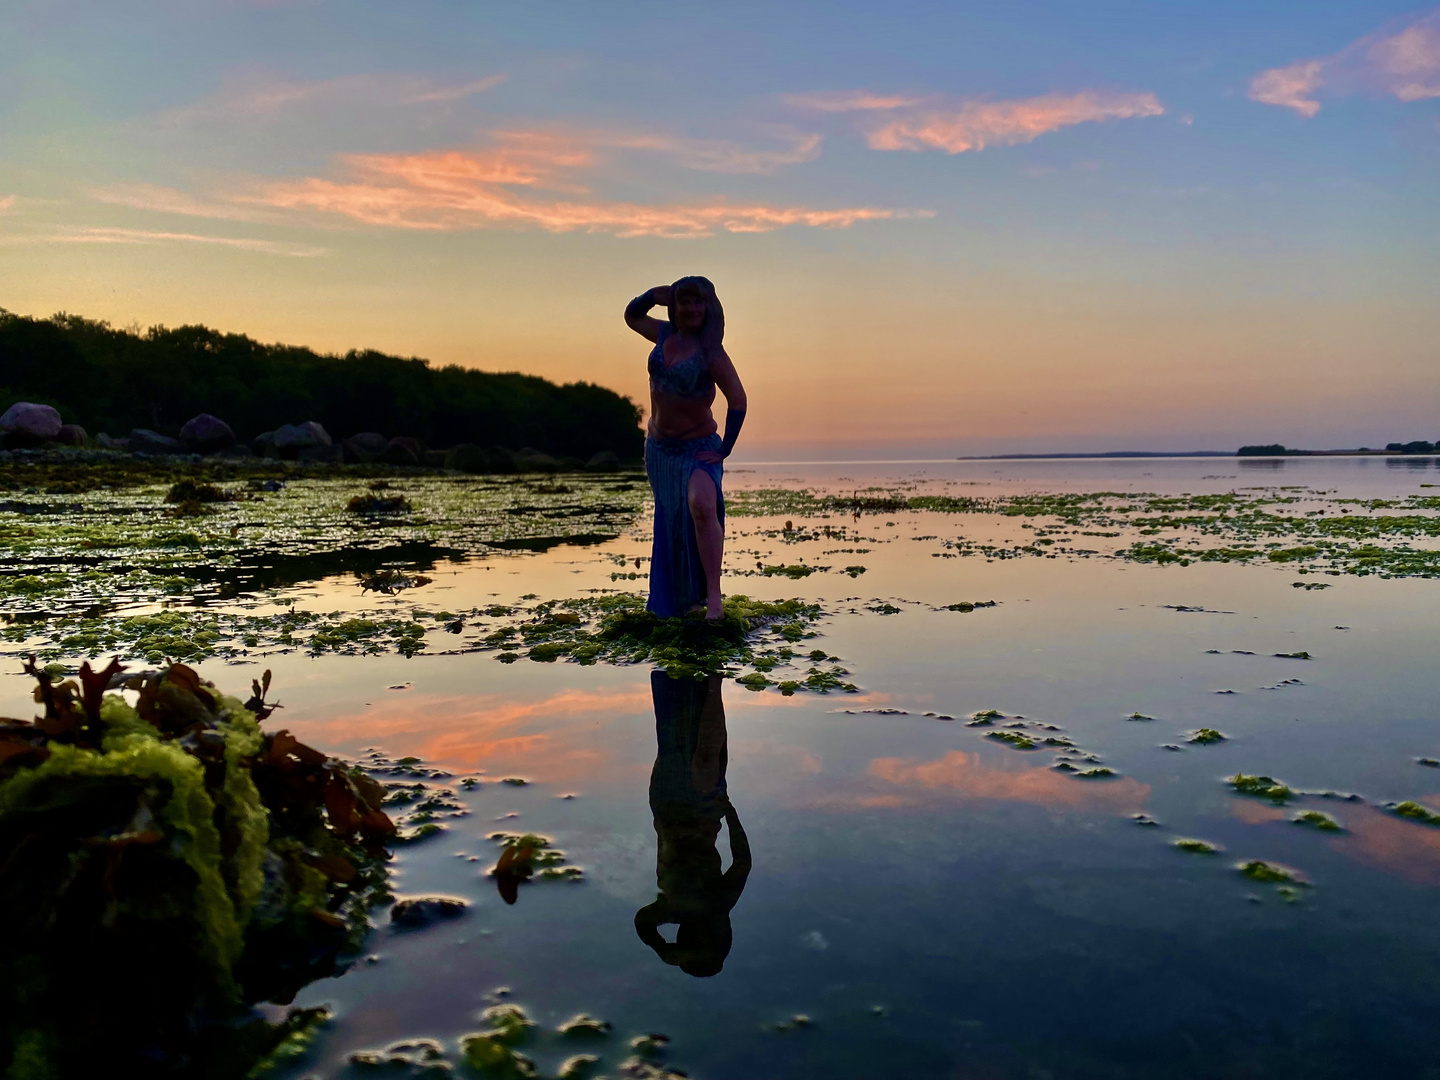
x=937 y=228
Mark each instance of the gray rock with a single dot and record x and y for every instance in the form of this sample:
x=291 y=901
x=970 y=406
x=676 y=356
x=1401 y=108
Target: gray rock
x=604 y=461
x=28 y=424
x=145 y=441
x=239 y=450
x=72 y=435
x=529 y=459
x=434 y=459
x=401 y=451
x=365 y=447
x=264 y=444
x=106 y=442
x=292 y=438
x=320 y=453
x=205 y=434
x=422 y=911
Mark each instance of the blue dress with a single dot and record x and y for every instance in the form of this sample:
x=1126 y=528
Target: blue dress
x=677 y=580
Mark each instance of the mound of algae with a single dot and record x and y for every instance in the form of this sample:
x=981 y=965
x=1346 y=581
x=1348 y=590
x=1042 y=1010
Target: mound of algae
x=167 y=864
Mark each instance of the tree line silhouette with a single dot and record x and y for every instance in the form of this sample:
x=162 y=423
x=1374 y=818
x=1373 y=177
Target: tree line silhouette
x=114 y=380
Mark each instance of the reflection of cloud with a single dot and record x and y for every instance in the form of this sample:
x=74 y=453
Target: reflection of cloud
x=1371 y=836
x=964 y=774
x=956 y=127
x=106 y=235
x=535 y=738
x=1404 y=63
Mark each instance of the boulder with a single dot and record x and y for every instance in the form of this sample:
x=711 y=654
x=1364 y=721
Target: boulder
x=205 y=434
x=422 y=911
x=28 y=424
x=239 y=450
x=145 y=441
x=105 y=442
x=364 y=447
x=413 y=445
x=264 y=444
x=320 y=453
x=434 y=459
x=502 y=460
x=401 y=452
x=72 y=435
x=467 y=458
x=528 y=459
x=604 y=461
x=290 y=439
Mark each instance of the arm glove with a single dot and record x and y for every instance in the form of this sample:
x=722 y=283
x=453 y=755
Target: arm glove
x=733 y=419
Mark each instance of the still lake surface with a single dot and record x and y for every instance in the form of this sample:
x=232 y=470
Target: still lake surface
x=930 y=900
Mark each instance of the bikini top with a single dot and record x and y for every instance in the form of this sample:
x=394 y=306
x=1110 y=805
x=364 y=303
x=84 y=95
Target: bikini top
x=690 y=378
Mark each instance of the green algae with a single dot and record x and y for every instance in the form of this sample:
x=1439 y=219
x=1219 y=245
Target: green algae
x=1270 y=873
x=585 y=1026
x=1317 y=819
x=1414 y=811
x=1014 y=739
x=578 y=1067
x=1206 y=736
x=1197 y=847
x=984 y=717
x=1263 y=787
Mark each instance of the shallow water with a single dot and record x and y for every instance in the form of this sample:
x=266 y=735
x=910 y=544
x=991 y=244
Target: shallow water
x=936 y=902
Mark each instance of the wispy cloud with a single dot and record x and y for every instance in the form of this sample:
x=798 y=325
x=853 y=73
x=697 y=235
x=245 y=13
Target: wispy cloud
x=1402 y=61
x=524 y=179
x=107 y=235
x=719 y=155
x=261 y=97
x=457 y=189
x=958 y=126
x=850 y=101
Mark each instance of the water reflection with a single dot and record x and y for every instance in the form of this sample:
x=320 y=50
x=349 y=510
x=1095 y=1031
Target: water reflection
x=689 y=801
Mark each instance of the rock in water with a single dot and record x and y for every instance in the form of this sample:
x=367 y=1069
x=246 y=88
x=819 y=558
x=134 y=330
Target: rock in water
x=145 y=441
x=205 y=434
x=71 y=435
x=364 y=447
x=28 y=424
x=290 y=439
x=604 y=461
x=426 y=910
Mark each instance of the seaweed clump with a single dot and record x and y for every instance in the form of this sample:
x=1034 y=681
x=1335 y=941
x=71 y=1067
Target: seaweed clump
x=1265 y=787
x=167 y=864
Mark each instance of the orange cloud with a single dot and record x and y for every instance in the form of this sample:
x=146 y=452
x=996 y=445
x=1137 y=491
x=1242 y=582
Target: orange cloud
x=1404 y=64
x=718 y=155
x=964 y=774
x=476 y=189
x=956 y=127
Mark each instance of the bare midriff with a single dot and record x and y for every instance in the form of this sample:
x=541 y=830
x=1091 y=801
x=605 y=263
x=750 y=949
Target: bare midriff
x=680 y=418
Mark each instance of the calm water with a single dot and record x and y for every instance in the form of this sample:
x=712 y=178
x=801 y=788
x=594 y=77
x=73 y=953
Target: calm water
x=937 y=903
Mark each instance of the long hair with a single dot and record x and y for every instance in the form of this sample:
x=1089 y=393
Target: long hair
x=712 y=332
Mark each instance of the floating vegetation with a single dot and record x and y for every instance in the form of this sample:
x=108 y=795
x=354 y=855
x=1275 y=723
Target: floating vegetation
x=1414 y=811
x=984 y=717
x=1270 y=873
x=1317 y=819
x=1139 y=717
x=1015 y=739
x=1205 y=736
x=390 y=581
x=965 y=605
x=525 y=857
x=379 y=504
x=1097 y=772
x=1197 y=847
x=1143 y=819
x=177 y=838
x=492 y=1052
x=1262 y=787
x=585 y=1026
x=1294 y=655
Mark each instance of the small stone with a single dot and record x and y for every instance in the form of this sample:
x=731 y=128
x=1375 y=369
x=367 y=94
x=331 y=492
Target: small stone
x=424 y=911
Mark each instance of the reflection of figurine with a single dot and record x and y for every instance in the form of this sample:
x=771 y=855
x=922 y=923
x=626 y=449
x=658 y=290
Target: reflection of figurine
x=688 y=799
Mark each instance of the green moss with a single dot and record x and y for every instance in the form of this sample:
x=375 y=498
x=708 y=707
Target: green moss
x=1263 y=787
x=1270 y=873
x=1205 y=736
x=1414 y=811
x=579 y=1067
x=1317 y=819
x=585 y=1026
x=1197 y=847
x=1015 y=739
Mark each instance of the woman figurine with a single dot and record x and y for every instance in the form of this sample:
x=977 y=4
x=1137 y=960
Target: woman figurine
x=683 y=453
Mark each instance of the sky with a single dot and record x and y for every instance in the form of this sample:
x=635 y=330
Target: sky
x=937 y=228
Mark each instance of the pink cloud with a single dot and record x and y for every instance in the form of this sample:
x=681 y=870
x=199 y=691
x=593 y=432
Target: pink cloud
x=1402 y=63
x=502 y=186
x=976 y=125
x=718 y=155
x=955 y=127
x=965 y=775
x=7 y=203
